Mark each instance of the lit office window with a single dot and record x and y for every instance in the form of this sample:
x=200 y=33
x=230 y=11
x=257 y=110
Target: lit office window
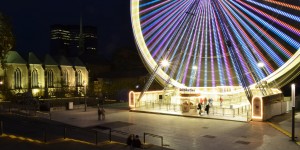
x=50 y=78
x=18 y=78
x=34 y=79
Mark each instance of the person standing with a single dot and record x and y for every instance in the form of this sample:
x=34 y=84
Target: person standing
x=130 y=141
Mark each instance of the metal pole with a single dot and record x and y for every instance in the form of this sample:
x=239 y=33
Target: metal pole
x=85 y=105
x=293 y=124
x=293 y=111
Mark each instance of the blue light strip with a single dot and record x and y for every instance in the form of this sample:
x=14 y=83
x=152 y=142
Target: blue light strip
x=280 y=34
x=288 y=15
x=149 y=3
x=218 y=52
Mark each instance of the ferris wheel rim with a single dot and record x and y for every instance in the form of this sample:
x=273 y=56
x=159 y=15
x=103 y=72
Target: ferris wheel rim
x=151 y=63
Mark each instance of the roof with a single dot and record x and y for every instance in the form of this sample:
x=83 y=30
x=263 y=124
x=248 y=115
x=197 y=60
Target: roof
x=76 y=61
x=32 y=59
x=14 y=57
x=48 y=60
x=62 y=60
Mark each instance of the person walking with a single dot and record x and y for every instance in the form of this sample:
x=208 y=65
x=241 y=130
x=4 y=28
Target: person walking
x=99 y=113
x=207 y=109
x=102 y=113
x=199 y=108
x=221 y=101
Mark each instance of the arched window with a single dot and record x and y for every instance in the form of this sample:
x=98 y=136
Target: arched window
x=79 y=78
x=18 y=77
x=50 y=78
x=65 y=78
x=34 y=79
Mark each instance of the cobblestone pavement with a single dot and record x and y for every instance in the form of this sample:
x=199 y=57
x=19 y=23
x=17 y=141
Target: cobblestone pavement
x=177 y=132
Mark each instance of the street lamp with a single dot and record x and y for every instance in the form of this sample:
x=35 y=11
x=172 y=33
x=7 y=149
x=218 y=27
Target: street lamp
x=85 y=105
x=260 y=64
x=165 y=63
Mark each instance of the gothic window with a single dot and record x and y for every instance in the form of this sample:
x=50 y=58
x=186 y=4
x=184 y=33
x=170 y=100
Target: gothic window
x=34 y=79
x=18 y=77
x=79 y=78
x=65 y=78
x=50 y=78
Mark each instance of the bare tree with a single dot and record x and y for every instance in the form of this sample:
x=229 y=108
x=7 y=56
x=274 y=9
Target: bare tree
x=7 y=40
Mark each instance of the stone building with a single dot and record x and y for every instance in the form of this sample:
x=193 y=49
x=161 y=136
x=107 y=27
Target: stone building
x=51 y=77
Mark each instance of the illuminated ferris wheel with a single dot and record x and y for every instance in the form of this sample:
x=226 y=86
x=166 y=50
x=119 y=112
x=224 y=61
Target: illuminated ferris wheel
x=211 y=43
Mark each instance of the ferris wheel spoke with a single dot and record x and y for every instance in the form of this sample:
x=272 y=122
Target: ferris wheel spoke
x=193 y=35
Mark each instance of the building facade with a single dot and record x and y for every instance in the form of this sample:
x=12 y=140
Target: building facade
x=52 y=77
x=73 y=40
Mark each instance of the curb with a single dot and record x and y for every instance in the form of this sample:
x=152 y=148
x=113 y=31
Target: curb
x=283 y=131
x=189 y=116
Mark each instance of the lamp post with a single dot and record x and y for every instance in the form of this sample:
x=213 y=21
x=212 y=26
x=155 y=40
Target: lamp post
x=85 y=105
x=293 y=111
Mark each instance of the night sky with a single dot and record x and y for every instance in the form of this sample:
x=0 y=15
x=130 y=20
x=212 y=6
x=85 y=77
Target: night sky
x=31 y=20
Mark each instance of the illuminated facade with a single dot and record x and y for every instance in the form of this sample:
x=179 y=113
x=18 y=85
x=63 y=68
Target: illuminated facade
x=237 y=50
x=53 y=77
x=65 y=40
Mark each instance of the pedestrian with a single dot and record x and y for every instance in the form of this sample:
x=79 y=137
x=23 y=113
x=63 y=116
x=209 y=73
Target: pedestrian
x=137 y=142
x=207 y=109
x=99 y=113
x=130 y=141
x=102 y=113
x=199 y=108
x=221 y=101
x=210 y=101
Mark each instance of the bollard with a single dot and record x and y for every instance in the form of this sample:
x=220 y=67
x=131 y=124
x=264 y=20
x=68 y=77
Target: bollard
x=144 y=137
x=65 y=132
x=223 y=111
x=45 y=135
x=96 y=137
x=109 y=134
x=1 y=128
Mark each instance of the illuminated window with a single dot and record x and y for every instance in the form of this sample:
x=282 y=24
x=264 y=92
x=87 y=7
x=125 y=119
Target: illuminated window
x=34 y=79
x=79 y=78
x=50 y=78
x=18 y=78
x=65 y=78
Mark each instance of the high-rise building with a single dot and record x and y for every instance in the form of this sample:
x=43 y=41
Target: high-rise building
x=67 y=40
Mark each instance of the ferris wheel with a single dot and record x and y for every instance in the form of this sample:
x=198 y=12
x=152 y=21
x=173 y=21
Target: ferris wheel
x=211 y=43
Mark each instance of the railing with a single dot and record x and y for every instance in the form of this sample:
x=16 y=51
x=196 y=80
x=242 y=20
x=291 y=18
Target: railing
x=156 y=136
x=46 y=132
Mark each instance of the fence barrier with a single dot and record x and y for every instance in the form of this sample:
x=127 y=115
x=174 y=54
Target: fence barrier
x=157 y=136
x=47 y=132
